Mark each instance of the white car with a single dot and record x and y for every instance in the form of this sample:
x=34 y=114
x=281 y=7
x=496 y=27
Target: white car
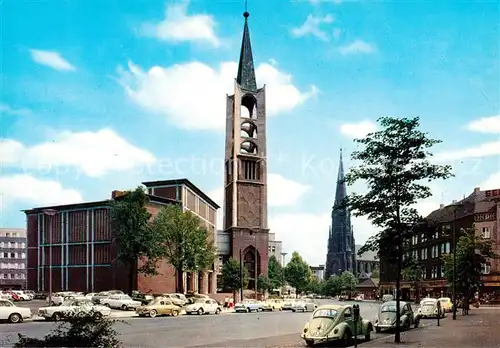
x=124 y=302
x=5 y=296
x=304 y=306
x=9 y=311
x=22 y=296
x=203 y=306
x=74 y=307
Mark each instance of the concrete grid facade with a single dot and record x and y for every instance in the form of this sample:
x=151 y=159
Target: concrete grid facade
x=13 y=258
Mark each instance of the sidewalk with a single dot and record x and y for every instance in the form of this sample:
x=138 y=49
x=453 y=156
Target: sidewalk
x=479 y=329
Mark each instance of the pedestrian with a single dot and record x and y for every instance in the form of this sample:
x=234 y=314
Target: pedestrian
x=226 y=302
x=231 y=303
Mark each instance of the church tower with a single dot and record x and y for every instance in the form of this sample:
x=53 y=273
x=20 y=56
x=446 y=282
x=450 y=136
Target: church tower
x=245 y=179
x=341 y=250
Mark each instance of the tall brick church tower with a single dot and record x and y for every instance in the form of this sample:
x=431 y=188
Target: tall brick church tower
x=245 y=179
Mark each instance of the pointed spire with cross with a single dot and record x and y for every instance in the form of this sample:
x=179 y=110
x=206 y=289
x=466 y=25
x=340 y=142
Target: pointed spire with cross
x=246 y=71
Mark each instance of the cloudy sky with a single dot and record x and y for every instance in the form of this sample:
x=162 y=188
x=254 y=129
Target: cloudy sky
x=102 y=97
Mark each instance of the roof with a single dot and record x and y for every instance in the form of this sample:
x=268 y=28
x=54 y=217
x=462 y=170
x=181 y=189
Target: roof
x=332 y=306
x=179 y=182
x=246 y=71
x=368 y=283
x=88 y=205
x=393 y=303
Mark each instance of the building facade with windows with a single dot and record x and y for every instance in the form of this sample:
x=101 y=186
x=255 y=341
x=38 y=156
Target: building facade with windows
x=318 y=271
x=275 y=248
x=12 y=258
x=78 y=243
x=480 y=209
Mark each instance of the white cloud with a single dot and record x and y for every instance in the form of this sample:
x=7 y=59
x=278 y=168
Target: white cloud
x=27 y=189
x=281 y=192
x=483 y=150
x=4 y=108
x=178 y=26
x=191 y=95
x=491 y=183
x=51 y=59
x=94 y=153
x=336 y=33
x=357 y=47
x=312 y=26
x=486 y=125
x=358 y=130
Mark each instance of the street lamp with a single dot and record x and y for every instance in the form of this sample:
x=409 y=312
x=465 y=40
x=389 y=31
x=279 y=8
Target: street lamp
x=51 y=213
x=454 y=244
x=241 y=277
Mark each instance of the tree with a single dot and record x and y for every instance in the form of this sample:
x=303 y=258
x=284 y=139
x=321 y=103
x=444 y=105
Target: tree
x=332 y=286
x=412 y=272
x=275 y=272
x=230 y=278
x=375 y=274
x=314 y=286
x=297 y=272
x=263 y=283
x=186 y=244
x=472 y=253
x=135 y=239
x=348 y=282
x=394 y=165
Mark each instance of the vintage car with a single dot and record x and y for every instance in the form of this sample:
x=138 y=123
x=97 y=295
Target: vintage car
x=159 y=306
x=177 y=299
x=9 y=311
x=248 y=306
x=203 y=306
x=274 y=304
x=446 y=304
x=142 y=298
x=123 y=302
x=288 y=305
x=74 y=307
x=386 y=318
x=304 y=305
x=429 y=308
x=335 y=323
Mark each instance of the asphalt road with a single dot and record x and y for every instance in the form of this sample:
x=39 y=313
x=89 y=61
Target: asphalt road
x=225 y=330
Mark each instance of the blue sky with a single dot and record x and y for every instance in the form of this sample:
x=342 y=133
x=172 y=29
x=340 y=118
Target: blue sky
x=96 y=98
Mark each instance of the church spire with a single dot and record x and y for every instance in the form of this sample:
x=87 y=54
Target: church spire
x=246 y=71
x=341 y=191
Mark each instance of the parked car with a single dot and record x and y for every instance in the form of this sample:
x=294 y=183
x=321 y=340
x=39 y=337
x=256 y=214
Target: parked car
x=105 y=294
x=446 y=304
x=40 y=296
x=123 y=302
x=429 y=308
x=177 y=299
x=274 y=304
x=142 y=298
x=191 y=297
x=288 y=305
x=386 y=317
x=9 y=311
x=159 y=306
x=387 y=298
x=248 y=306
x=305 y=305
x=4 y=295
x=331 y=323
x=74 y=307
x=203 y=306
x=30 y=293
x=22 y=295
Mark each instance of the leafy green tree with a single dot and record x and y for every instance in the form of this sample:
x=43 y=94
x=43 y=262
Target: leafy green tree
x=314 y=286
x=231 y=279
x=186 y=244
x=412 y=271
x=297 y=272
x=332 y=286
x=263 y=283
x=135 y=239
x=275 y=273
x=393 y=162
x=348 y=281
x=472 y=253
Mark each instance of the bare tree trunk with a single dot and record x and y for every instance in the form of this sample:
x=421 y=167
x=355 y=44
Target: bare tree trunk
x=179 y=279
x=132 y=275
x=397 y=334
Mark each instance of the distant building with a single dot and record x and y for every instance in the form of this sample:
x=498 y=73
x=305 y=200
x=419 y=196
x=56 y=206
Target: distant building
x=12 y=258
x=275 y=248
x=366 y=263
x=318 y=271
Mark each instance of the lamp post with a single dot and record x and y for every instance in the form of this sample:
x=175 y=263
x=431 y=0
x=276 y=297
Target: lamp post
x=453 y=242
x=283 y=255
x=51 y=213
x=241 y=278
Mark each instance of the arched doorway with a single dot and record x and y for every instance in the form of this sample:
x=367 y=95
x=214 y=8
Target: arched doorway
x=251 y=262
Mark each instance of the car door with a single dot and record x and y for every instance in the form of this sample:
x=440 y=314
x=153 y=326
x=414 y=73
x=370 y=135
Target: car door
x=208 y=306
x=4 y=310
x=167 y=307
x=411 y=315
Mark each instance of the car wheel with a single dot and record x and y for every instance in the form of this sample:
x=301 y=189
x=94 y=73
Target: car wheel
x=377 y=330
x=293 y=310
x=200 y=311
x=15 y=318
x=56 y=316
x=310 y=343
x=153 y=313
x=175 y=313
x=97 y=316
x=217 y=311
x=368 y=335
x=248 y=310
x=107 y=305
x=124 y=308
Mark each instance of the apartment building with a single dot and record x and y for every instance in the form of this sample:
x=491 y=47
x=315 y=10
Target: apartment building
x=12 y=258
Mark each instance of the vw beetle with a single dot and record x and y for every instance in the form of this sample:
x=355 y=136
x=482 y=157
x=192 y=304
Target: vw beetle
x=429 y=308
x=386 y=318
x=335 y=323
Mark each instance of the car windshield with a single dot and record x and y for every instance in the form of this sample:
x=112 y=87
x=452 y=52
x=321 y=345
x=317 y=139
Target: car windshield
x=6 y=304
x=388 y=308
x=200 y=300
x=69 y=303
x=328 y=313
x=428 y=304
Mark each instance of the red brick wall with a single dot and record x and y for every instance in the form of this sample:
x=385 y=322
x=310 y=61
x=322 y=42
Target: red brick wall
x=164 y=282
